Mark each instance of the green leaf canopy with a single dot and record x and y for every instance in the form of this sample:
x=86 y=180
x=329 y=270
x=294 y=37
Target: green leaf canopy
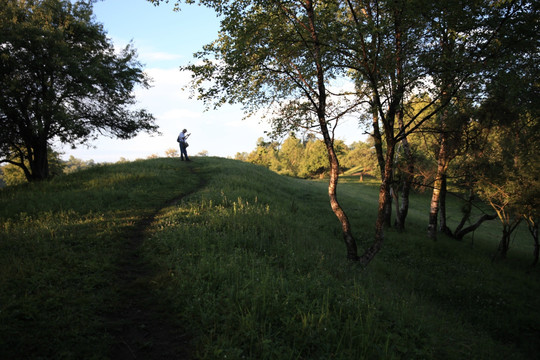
x=61 y=79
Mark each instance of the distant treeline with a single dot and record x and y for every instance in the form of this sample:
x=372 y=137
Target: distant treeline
x=308 y=157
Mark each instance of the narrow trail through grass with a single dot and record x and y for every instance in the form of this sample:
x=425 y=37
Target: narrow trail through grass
x=141 y=327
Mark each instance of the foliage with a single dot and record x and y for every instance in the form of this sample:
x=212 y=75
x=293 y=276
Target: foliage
x=61 y=80
x=361 y=155
x=73 y=164
x=308 y=158
x=172 y=152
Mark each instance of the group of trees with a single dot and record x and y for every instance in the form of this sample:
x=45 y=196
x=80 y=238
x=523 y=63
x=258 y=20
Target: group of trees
x=460 y=74
x=308 y=158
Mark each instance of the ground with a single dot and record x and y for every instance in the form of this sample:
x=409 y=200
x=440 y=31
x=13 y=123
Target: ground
x=140 y=325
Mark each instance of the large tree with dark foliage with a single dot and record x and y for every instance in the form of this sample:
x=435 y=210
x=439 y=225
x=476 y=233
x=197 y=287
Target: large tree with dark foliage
x=61 y=80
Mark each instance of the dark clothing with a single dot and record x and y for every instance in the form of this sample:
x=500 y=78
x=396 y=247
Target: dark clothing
x=183 y=152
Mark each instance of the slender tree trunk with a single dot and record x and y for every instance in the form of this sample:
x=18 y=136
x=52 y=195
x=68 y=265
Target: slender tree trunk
x=384 y=192
x=459 y=234
x=389 y=200
x=435 y=197
x=442 y=203
x=536 y=251
x=446 y=44
x=350 y=243
x=443 y=226
x=394 y=191
x=377 y=137
x=466 y=210
x=407 y=178
x=405 y=193
x=402 y=210
x=377 y=141
x=508 y=229
x=504 y=245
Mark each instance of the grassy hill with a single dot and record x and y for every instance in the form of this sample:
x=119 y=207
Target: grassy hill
x=218 y=259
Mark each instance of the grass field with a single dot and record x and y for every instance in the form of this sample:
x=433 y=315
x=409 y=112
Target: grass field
x=251 y=265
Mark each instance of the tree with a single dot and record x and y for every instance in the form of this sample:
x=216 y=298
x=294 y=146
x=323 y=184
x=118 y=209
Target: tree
x=315 y=160
x=509 y=179
x=73 y=164
x=61 y=80
x=265 y=154
x=382 y=49
x=171 y=153
x=290 y=156
x=361 y=155
x=275 y=53
x=13 y=175
x=471 y=44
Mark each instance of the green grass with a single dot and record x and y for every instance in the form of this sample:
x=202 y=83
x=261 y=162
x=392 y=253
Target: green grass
x=252 y=264
x=60 y=242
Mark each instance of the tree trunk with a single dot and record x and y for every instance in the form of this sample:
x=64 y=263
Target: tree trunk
x=504 y=245
x=350 y=243
x=389 y=200
x=384 y=192
x=394 y=191
x=377 y=141
x=536 y=247
x=533 y=229
x=381 y=160
x=39 y=163
x=404 y=205
x=407 y=178
x=508 y=229
x=466 y=210
x=443 y=226
x=438 y=185
x=459 y=234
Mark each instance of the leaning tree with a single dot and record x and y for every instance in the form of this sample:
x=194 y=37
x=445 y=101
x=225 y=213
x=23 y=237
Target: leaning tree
x=277 y=55
x=61 y=80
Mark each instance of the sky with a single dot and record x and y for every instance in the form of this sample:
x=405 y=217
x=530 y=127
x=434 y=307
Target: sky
x=166 y=40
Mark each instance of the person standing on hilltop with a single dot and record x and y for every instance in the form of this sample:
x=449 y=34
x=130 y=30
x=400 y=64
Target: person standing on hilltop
x=183 y=144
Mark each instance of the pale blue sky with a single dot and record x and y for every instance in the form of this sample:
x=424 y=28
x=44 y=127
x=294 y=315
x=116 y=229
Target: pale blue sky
x=165 y=40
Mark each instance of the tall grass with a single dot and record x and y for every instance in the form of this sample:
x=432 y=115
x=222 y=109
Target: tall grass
x=60 y=242
x=255 y=266
x=252 y=264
